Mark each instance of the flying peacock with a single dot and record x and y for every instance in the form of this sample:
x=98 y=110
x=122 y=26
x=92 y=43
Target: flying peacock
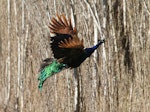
x=68 y=49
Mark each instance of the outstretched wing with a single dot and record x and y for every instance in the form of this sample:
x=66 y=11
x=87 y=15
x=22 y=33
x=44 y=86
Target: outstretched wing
x=71 y=42
x=67 y=51
x=66 y=46
x=61 y=25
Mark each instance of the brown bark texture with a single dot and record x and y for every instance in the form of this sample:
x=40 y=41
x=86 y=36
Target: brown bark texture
x=116 y=78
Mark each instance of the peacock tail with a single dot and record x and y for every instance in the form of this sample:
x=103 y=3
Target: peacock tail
x=49 y=70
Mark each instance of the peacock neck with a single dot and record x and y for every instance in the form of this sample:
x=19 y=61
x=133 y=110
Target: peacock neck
x=90 y=50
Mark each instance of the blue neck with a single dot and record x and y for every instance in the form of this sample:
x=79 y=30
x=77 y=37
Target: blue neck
x=90 y=50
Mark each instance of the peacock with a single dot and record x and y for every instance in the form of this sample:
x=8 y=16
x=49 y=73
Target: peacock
x=67 y=48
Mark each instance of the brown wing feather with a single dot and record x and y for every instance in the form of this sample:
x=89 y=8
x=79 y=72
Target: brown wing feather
x=73 y=42
x=61 y=25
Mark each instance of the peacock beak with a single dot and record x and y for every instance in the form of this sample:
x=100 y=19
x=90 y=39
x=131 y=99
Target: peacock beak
x=101 y=41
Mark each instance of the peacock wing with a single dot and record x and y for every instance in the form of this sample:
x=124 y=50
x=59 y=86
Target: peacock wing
x=61 y=25
x=66 y=46
x=67 y=49
x=57 y=51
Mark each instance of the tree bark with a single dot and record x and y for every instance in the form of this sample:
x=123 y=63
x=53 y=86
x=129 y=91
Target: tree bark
x=116 y=78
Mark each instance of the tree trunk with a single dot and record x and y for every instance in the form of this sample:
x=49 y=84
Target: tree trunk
x=116 y=78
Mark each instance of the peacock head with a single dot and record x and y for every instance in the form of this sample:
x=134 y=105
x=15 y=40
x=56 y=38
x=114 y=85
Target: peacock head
x=90 y=50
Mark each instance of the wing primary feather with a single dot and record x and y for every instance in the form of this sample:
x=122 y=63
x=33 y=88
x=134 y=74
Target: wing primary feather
x=60 y=20
x=64 y=42
x=65 y=20
x=56 y=23
x=52 y=26
x=70 y=24
x=52 y=29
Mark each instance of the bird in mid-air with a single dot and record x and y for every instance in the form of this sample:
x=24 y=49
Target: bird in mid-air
x=68 y=49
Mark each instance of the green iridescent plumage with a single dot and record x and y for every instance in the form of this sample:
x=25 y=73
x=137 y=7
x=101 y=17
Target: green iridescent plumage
x=48 y=71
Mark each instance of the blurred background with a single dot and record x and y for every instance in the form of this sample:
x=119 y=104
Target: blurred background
x=116 y=78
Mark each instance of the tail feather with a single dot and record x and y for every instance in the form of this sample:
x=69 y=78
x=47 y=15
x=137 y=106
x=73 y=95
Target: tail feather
x=45 y=63
x=48 y=68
